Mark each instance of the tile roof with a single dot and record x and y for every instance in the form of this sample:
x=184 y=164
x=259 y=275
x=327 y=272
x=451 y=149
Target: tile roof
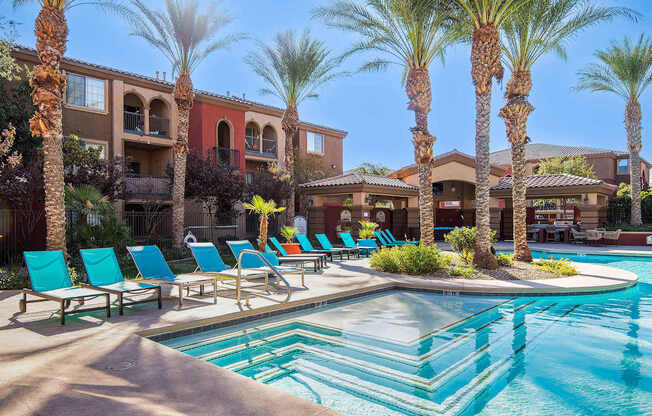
x=170 y=85
x=536 y=151
x=548 y=181
x=355 y=178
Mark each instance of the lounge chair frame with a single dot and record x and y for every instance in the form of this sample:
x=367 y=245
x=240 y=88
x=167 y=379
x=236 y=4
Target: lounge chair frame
x=158 y=297
x=64 y=303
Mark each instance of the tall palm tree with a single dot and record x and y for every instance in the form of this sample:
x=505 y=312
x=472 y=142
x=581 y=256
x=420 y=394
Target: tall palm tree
x=264 y=209
x=185 y=37
x=535 y=29
x=410 y=33
x=293 y=67
x=625 y=70
x=482 y=20
x=49 y=82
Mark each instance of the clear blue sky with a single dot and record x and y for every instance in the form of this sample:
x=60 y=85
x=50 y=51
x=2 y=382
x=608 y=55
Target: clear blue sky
x=372 y=106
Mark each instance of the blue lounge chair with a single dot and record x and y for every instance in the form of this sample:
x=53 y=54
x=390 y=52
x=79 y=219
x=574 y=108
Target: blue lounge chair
x=307 y=247
x=393 y=239
x=349 y=242
x=253 y=262
x=293 y=259
x=50 y=281
x=209 y=261
x=153 y=268
x=369 y=245
x=318 y=258
x=384 y=242
x=326 y=245
x=104 y=274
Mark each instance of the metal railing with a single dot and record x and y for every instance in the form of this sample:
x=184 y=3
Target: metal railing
x=134 y=122
x=147 y=186
x=252 y=144
x=253 y=147
x=269 y=147
x=268 y=264
x=227 y=155
x=159 y=126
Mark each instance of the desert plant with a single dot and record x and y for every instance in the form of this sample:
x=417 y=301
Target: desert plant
x=289 y=233
x=367 y=229
x=561 y=266
x=505 y=259
x=264 y=209
x=413 y=260
x=463 y=242
x=462 y=270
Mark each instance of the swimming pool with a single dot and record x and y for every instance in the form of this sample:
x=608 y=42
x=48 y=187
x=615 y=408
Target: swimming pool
x=417 y=353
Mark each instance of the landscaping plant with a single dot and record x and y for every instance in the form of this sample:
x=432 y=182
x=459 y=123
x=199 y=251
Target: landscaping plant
x=367 y=229
x=410 y=259
x=289 y=233
x=505 y=259
x=263 y=209
x=462 y=270
x=463 y=241
x=550 y=265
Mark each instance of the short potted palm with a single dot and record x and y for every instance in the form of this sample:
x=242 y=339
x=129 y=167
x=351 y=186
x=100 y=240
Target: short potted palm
x=263 y=209
x=366 y=231
x=288 y=234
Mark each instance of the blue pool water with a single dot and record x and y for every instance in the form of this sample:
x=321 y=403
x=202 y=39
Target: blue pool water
x=414 y=353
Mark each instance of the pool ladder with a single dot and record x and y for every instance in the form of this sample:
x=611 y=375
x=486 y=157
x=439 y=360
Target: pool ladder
x=272 y=268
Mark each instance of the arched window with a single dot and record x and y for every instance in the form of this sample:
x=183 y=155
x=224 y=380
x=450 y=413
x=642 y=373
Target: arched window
x=159 y=118
x=269 y=141
x=252 y=137
x=134 y=114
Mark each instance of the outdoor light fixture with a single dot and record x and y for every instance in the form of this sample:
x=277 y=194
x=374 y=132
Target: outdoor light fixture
x=334 y=166
x=367 y=200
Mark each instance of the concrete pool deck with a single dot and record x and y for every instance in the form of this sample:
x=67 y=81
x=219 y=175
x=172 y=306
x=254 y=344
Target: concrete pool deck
x=95 y=366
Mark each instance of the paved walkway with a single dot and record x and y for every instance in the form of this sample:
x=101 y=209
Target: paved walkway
x=94 y=366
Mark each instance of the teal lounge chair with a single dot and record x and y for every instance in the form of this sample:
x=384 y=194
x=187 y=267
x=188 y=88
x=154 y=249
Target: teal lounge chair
x=392 y=239
x=209 y=261
x=293 y=259
x=384 y=242
x=50 y=280
x=349 y=242
x=326 y=245
x=370 y=245
x=104 y=274
x=319 y=259
x=153 y=268
x=253 y=262
x=307 y=247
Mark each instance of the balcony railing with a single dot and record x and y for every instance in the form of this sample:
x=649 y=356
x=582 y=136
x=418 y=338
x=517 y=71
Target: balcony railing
x=134 y=122
x=227 y=156
x=147 y=186
x=159 y=126
x=253 y=147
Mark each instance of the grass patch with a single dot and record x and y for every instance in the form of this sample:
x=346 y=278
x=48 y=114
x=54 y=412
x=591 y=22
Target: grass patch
x=550 y=265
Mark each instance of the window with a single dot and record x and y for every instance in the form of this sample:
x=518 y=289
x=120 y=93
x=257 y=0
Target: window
x=437 y=188
x=315 y=142
x=85 y=92
x=623 y=166
x=249 y=178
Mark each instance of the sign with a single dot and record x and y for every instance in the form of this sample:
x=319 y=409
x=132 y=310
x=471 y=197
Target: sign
x=301 y=224
x=450 y=204
x=649 y=239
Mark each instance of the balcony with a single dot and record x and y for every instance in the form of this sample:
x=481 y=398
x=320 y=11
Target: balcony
x=227 y=156
x=134 y=123
x=147 y=186
x=159 y=126
x=253 y=147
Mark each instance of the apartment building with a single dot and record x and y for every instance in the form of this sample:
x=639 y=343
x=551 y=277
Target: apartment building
x=135 y=117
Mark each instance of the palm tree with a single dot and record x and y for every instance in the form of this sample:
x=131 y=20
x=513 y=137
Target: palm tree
x=625 y=70
x=373 y=169
x=535 y=29
x=49 y=83
x=185 y=37
x=263 y=209
x=86 y=200
x=293 y=67
x=481 y=21
x=410 y=33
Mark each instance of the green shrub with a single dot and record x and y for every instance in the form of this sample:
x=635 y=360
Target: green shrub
x=414 y=260
x=505 y=259
x=461 y=270
x=289 y=233
x=13 y=279
x=462 y=241
x=550 y=265
x=367 y=229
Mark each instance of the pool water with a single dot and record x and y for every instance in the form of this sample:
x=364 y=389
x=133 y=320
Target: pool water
x=417 y=353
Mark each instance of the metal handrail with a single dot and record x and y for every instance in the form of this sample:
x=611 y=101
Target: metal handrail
x=268 y=264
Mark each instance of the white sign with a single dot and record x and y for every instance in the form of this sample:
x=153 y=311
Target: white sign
x=649 y=239
x=301 y=224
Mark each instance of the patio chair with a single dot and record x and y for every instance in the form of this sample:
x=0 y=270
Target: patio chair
x=371 y=245
x=50 y=281
x=209 y=261
x=612 y=237
x=578 y=236
x=384 y=242
x=153 y=268
x=104 y=274
x=552 y=234
x=593 y=237
x=390 y=237
x=325 y=243
x=307 y=247
x=298 y=259
x=254 y=263
x=349 y=242
x=317 y=258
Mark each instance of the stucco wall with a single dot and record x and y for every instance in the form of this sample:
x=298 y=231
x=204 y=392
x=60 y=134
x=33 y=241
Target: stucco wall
x=263 y=120
x=333 y=148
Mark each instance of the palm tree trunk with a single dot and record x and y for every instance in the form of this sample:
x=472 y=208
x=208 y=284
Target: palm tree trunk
x=485 y=64
x=419 y=91
x=263 y=234
x=49 y=83
x=290 y=126
x=633 y=118
x=515 y=113
x=184 y=96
